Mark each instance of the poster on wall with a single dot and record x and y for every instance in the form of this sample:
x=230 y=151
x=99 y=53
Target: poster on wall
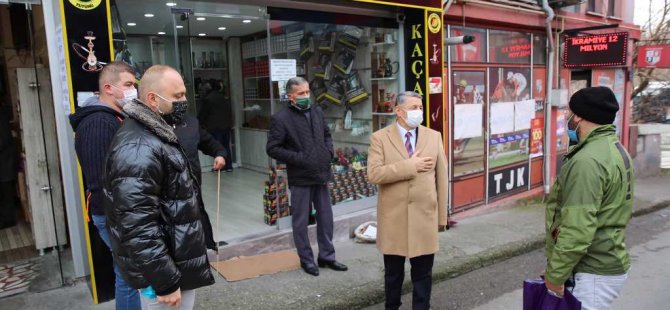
x=469 y=145
x=509 y=84
x=472 y=52
x=613 y=79
x=536 y=136
x=509 y=47
x=539 y=85
x=507 y=180
x=502 y=118
x=468 y=115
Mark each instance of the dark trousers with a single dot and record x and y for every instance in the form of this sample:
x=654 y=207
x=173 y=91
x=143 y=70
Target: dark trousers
x=223 y=136
x=7 y=202
x=422 y=280
x=302 y=198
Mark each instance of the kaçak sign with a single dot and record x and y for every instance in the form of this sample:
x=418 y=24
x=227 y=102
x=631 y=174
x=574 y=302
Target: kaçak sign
x=600 y=50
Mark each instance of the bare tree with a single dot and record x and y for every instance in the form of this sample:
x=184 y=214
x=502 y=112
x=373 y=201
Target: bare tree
x=657 y=31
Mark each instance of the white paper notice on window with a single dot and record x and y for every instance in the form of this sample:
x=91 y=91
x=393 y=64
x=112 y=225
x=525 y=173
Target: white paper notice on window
x=502 y=117
x=468 y=120
x=524 y=112
x=282 y=69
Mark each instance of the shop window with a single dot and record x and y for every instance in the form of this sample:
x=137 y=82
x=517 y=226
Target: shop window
x=594 y=6
x=509 y=47
x=511 y=113
x=353 y=76
x=473 y=52
x=469 y=93
x=611 y=8
x=539 y=49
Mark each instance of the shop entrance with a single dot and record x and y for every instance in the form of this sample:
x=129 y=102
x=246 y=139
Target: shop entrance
x=34 y=243
x=203 y=40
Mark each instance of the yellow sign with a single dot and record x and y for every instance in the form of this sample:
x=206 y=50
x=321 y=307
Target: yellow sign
x=85 y=4
x=434 y=22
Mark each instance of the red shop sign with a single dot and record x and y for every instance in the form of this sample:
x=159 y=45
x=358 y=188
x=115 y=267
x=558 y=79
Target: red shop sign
x=653 y=56
x=596 y=50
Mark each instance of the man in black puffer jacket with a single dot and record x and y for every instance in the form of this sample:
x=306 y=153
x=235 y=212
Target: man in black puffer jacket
x=300 y=138
x=154 y=218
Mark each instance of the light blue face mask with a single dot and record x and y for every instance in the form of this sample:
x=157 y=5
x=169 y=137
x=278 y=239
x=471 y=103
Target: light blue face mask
x=572 y=133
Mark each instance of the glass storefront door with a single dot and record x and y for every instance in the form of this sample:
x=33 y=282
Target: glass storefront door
x=34 y=244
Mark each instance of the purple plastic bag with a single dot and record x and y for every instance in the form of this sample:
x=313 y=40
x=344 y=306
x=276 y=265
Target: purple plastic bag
x=536 y=297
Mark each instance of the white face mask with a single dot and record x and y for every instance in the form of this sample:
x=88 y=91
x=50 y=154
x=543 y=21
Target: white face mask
x=128 y=96
x=414 y=118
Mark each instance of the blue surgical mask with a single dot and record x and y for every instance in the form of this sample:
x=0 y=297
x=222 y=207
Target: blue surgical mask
x=572 y=132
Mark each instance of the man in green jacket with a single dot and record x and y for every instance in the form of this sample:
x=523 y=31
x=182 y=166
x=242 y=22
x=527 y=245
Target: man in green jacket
x=590 y=205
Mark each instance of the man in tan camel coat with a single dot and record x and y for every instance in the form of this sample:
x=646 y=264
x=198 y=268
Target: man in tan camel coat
x=408 y=162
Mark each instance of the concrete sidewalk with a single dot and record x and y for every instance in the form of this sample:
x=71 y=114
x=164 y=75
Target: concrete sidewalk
x=476 y=242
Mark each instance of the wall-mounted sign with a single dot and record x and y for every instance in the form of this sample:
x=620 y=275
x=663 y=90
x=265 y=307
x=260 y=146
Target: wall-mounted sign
x=653 y=56
x=596 y=50
x=508 y=179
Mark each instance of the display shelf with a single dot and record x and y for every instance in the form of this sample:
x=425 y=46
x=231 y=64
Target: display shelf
x=383 y=113
x=378 y=44
x=393 y=78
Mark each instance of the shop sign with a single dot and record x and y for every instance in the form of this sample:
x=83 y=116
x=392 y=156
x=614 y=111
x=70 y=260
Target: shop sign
x=88 y=45
x=508 y=179
x=415 y=49
x=653 y=56
x=596 y=50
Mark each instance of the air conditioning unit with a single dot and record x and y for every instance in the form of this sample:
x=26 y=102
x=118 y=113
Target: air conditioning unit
x=562 y=3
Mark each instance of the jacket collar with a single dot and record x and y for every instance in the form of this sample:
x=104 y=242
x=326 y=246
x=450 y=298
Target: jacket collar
x=394 y=135
x=152 y=120
x=597 y=133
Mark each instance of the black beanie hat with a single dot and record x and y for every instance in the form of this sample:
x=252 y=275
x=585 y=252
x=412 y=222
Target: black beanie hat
x=595 y=104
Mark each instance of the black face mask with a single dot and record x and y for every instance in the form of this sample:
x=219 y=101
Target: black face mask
x=179 y=109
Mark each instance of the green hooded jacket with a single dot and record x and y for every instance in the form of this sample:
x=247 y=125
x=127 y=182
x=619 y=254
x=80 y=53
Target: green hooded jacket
x=588 y=209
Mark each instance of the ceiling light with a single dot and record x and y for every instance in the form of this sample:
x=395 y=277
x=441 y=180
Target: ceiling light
x=222 y=28
x=161 y=32
x=246 y=21
x=202 y=34
x=171 y=4
x=226 y=16
x=148 y=15
x=131 y=24
x=200 y=18
x=180 y=26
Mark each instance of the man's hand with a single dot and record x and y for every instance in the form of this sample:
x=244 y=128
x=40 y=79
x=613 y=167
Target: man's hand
x=173 y=299
x=219 y=163
x=558 y=289
x=422 y=164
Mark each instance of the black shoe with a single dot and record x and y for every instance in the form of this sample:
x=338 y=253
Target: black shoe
x=332 y=265
x=310 y=268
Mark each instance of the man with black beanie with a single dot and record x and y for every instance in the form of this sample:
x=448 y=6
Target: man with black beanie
x=590 y=205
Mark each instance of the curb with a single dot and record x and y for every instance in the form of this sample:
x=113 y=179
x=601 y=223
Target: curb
x=370 y=294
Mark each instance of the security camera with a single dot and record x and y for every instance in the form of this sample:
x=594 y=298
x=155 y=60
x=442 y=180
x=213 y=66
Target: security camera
x=400 y=18
x=459 y=40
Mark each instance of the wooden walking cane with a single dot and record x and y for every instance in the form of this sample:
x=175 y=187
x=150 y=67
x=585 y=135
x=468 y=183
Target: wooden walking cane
x=218 y=208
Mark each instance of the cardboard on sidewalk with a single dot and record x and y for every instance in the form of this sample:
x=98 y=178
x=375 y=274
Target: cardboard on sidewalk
x=247 y=267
